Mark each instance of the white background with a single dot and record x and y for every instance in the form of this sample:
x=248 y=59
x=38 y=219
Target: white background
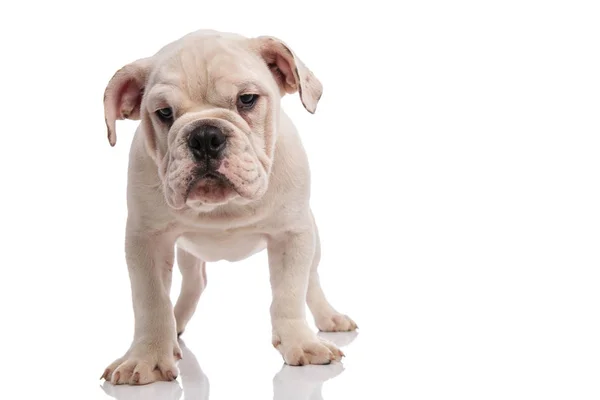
x=455 y=159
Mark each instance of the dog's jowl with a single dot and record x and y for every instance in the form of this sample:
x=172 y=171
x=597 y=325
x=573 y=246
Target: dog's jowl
x=217 y=171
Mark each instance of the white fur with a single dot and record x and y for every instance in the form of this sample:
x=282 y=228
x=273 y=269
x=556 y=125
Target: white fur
x=274 y=215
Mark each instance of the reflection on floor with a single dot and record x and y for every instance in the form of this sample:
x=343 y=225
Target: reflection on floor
x=290 y=383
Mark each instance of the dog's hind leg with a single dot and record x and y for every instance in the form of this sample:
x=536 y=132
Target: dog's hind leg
x=326 y=317
x=193 y=282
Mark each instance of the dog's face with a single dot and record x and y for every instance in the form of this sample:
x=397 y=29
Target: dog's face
x=209 y=106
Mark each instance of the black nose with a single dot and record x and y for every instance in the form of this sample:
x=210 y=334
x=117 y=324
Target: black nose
x=207 y=141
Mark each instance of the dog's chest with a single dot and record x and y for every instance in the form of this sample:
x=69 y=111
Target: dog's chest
x=213 y=247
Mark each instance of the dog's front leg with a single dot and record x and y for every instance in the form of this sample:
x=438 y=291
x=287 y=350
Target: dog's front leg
x=290 y=261
x=154 y=350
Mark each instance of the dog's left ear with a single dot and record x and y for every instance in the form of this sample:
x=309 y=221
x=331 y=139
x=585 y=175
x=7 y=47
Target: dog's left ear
x=289 y=72
x=123 y=95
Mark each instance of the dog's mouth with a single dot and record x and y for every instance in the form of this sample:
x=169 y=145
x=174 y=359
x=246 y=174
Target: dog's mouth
x=210 y=187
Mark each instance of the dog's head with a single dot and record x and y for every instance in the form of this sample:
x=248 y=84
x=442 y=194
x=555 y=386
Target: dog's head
x=209 y=107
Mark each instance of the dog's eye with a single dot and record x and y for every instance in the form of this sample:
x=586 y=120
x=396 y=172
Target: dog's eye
x=165 y=114
x=247 y=101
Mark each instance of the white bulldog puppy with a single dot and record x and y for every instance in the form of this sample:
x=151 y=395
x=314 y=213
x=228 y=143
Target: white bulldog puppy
x=217 y=171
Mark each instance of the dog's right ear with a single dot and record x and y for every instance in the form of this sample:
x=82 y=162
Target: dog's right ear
x=123 y=95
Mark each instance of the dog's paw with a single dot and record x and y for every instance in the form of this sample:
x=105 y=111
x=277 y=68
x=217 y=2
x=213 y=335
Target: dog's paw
x=313 y=350
x=335 y=323
x=145 y=363
x=300 y=346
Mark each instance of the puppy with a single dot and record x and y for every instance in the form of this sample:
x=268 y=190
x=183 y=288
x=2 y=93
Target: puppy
x=217 y=171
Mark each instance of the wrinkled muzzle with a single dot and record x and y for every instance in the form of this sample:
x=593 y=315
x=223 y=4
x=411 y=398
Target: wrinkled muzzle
x=212 y=161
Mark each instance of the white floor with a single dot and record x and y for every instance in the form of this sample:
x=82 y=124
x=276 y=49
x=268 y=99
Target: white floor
x=427 y=333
